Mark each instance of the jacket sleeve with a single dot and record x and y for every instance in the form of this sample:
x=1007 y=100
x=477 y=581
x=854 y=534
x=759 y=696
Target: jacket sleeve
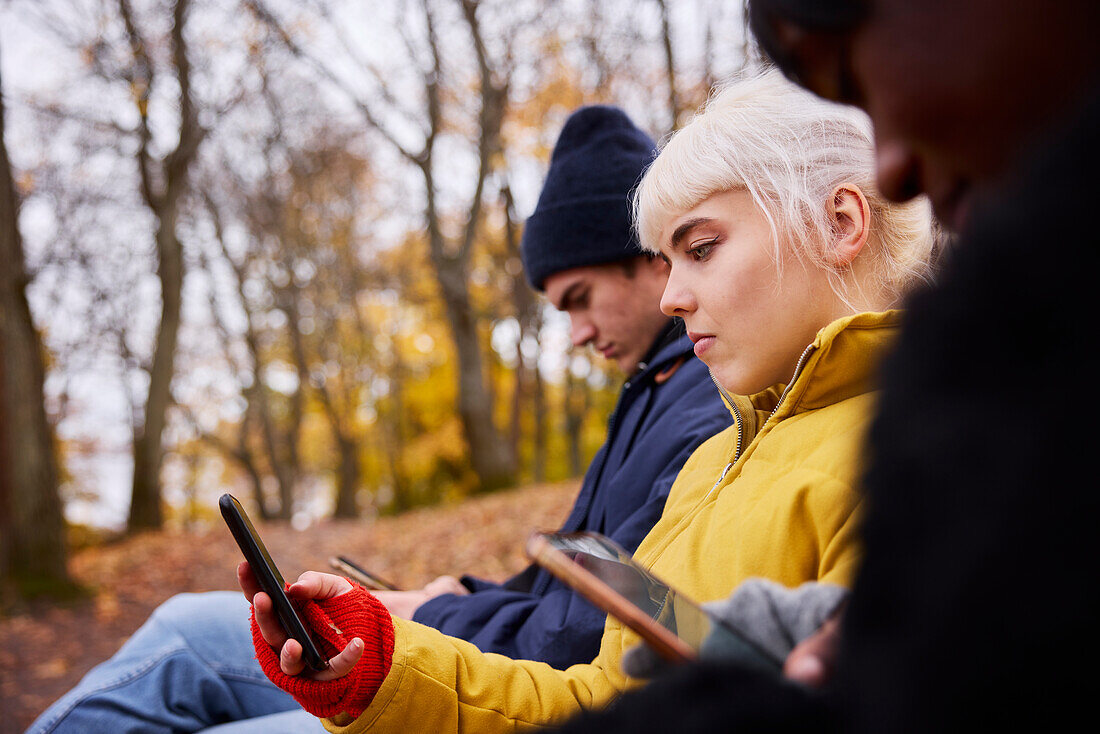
x=441 y=684
x=558 y=627
x=553 y=624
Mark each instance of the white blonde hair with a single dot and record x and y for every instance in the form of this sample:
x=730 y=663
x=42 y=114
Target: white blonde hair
x=790 y=151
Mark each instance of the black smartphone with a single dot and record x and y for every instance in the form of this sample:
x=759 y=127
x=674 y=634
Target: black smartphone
x=366 y=579
x=269 y=578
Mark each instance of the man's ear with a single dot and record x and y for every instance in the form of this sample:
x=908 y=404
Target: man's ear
x=851 y=215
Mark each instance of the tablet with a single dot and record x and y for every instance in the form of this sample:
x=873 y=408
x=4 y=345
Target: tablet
x=675 y=626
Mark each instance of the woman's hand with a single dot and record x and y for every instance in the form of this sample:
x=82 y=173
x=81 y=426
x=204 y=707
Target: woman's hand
x=310 y=585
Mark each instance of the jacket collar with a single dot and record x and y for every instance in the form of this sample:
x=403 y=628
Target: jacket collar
x=840 y=363
x=671 y=343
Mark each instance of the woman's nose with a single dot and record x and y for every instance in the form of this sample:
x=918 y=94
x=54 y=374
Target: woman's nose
x=677 y=299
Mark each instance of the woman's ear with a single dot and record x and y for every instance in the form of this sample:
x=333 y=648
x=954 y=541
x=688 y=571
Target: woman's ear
x=851 y=216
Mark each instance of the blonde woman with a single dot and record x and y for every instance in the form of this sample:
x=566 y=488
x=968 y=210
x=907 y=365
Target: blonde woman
x=785 y=263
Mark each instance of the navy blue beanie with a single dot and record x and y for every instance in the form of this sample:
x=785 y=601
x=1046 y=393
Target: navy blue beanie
x=583 y=214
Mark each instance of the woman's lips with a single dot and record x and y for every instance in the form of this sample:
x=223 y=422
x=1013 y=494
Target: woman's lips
x=702 y=342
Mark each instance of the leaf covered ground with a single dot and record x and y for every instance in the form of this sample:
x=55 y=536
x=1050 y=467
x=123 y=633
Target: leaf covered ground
x=45 y=649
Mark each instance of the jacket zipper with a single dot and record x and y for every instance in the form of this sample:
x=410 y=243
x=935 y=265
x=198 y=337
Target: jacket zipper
x=737 y=413
x=797 y=371
x=740 y=422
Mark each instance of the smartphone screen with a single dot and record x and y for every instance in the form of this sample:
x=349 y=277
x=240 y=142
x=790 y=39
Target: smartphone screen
x=608 y=576
x=269 y=578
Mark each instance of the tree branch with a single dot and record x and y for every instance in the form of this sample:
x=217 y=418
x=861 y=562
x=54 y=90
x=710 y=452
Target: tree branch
x=269 y=19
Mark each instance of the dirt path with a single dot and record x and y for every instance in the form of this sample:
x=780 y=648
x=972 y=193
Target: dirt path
x=45 y=650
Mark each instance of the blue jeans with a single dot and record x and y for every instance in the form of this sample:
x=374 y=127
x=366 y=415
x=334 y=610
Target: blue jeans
x=190 y=667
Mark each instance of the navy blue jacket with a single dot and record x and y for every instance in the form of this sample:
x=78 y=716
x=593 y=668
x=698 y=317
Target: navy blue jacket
x=660 y=419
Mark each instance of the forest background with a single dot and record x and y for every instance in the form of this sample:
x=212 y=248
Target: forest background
x=271 y=247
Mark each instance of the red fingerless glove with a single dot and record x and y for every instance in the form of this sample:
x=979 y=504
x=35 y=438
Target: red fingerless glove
x=334 y=623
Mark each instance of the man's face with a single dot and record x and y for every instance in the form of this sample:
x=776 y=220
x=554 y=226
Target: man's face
x=618 y=313
x=957 y=89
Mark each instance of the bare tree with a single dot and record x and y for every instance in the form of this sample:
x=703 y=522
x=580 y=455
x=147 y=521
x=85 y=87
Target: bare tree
x=255 y=397
x=529 y=385
x=163 y=185
x=450 y=255
x=674 y=107
x=31 y=525
x=280 y=442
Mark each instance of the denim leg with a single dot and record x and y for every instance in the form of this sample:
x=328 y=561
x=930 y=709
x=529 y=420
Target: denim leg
x=287 y=722
x=189 y=667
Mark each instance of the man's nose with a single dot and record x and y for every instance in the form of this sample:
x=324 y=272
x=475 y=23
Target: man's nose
x=583 y=331
x=898 y=170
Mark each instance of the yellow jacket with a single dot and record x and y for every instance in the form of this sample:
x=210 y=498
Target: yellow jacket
x=774 y=496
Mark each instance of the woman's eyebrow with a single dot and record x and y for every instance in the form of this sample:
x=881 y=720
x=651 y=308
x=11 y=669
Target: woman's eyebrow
x=685 y=229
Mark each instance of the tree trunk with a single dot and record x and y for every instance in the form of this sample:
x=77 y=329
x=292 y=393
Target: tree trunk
x=33 y=527
x=394 y=435
x=5 y=494
x=347 y=479
x=539 y=400
x=145 y=504
x=284 y=475
x=257 y=484
x=489 y=455
x=162 y=194
x=528 y=310
x=347 y=471
x=577 y=401
x=670 y=66
x=298 y=399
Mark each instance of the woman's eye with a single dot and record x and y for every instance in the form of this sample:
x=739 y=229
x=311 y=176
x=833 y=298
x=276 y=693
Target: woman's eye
x=701 y=251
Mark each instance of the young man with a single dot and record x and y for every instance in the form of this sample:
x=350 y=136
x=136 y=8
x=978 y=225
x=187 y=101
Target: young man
x=192 y=666
x=579 y=248
x=975 y=608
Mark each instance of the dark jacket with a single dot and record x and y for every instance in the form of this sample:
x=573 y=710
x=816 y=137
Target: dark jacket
x=660 y=419
x=977 y=605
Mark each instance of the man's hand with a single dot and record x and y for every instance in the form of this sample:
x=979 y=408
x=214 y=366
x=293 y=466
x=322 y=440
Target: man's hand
x=771 y=617
x=310 y=585
x=813 y=660
x=405 y=603
x=445 y=585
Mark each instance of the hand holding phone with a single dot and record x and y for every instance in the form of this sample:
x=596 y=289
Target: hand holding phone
x=288 y=652
x=266 y=576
